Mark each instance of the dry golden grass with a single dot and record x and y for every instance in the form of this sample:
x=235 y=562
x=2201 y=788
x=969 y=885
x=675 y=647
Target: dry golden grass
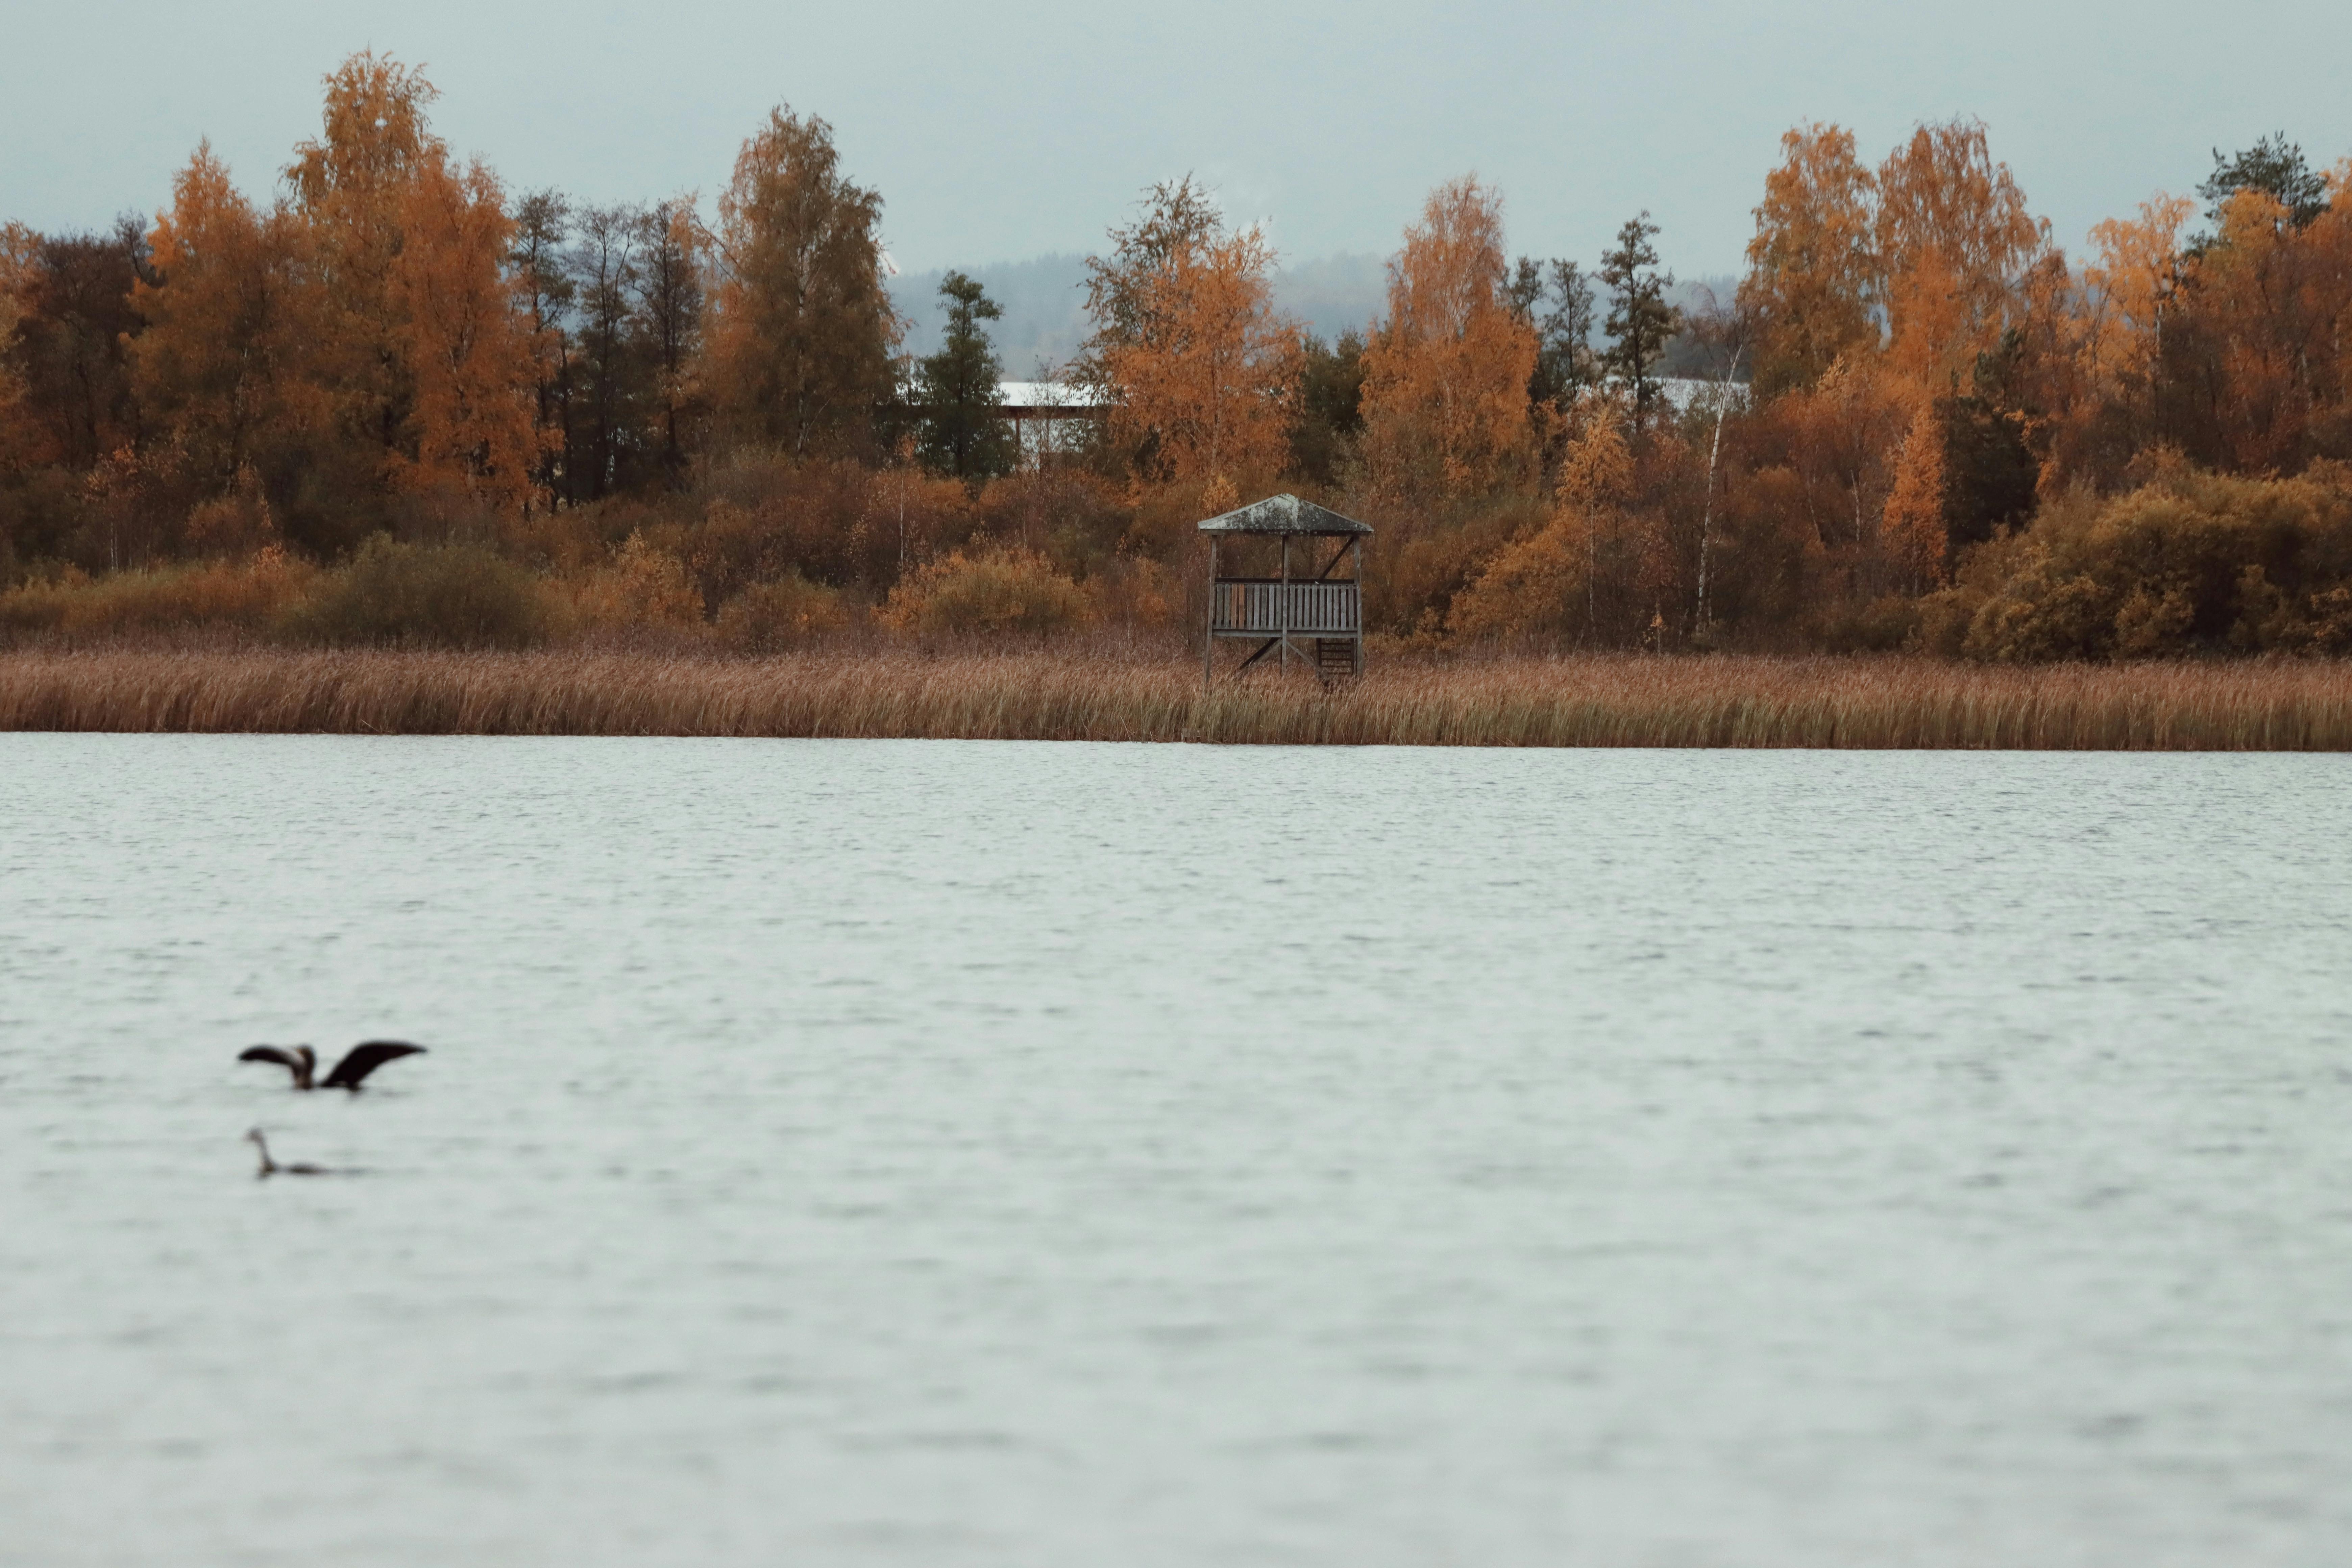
x=1603 y=701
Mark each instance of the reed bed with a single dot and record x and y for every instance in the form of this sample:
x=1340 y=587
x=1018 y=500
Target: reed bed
x=1045 y=695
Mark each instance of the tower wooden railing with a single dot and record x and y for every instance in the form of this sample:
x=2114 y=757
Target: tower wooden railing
x=1272 y=606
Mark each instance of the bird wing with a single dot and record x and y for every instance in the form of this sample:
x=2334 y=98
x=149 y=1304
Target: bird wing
x=364 y=1058
x=277 y=1054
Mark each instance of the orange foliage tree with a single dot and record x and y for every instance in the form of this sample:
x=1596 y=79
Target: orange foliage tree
x=1912 y=533
x=2128 y=290
x=2097 y=340
x=802 y=330
x=348 y=187
x=1203 y=369
x=1842 y=433
x=471 y=355
x=1954 y=241
x=1884 y=303
x=1445 y=375
x=16 y=243
x=1812 y=266
x=421 y=348
x=227 y=312
x=2269 y=298
x=1548 y=581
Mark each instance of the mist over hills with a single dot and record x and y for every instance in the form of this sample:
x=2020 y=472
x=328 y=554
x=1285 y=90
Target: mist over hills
x=1044 y=299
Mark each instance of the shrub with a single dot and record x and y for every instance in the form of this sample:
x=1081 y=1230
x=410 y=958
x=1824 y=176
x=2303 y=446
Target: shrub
x=575 y=539
x=1077 y=520
x=761 y=516
x=1137 y=593
x=236 y=522
x=1425 y=557
x=639 y=587
x=248 y=595
x=1531 y=587
x=2191 y=563
x=449 y=595
x=1885 y=625
x=768 y=617
x=1006 y=589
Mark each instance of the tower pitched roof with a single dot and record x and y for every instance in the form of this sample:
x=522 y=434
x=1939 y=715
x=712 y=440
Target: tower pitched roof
x=1283 y=514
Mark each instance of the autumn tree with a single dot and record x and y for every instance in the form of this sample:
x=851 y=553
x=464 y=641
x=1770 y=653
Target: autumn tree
x=16 y=246
x=76 y=317
x=964 y=431
x=1640 y=322
x=1812 y=266
x=1842 y=435
x=1446 y=372
x=671 y=245
x=1202 y=371
x=802 y=328
x=1725 y=336
x=2130 y=286
x=218 y=368
x=2260 y=351
x=1953 y=239
x=542 y=232
x=607 y=380
x=350 y=185
x=1330 y=406
x=1912 y=531
x=1178 y=218
x=419 y=346
x=2101 y=356
x=1552 y=580
x=471 y=436
x=2250 y=368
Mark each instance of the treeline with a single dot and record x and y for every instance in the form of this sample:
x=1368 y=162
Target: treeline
x=396 y=400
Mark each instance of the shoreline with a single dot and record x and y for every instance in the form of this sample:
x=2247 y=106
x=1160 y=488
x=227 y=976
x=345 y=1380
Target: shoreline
x=1602 y=700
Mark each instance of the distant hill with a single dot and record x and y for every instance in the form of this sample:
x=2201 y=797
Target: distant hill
x=1044 y=309
x=1044 y=303
x=1045 y=321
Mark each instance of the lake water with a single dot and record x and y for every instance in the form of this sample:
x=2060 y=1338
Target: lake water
x=972 y=1153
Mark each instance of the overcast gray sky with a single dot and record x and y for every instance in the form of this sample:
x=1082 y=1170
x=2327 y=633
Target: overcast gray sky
x=996 y=132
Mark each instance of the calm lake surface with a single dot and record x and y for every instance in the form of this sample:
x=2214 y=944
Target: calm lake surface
x=976 y=1154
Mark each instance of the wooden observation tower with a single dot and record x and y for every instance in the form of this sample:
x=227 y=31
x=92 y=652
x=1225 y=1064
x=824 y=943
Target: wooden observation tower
x=1322 y=613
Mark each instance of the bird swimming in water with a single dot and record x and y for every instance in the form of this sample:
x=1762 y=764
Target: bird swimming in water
x=349 y=1073
x=270 y=1167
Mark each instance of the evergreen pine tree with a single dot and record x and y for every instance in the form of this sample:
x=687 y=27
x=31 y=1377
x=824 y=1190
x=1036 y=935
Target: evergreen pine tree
x=963 y=433
x=1640 y=321
x=2273 y=166
x=1564 y=358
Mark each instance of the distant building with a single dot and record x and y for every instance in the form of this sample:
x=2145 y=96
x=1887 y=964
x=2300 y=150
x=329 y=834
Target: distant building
x=1684 y=393
x=1043 y=413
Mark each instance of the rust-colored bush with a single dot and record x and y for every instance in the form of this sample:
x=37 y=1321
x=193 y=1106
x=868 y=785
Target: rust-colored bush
x=1005 y=589
x=641 y=588
x=1136 y=592
x=247 y=595
x=789 y=612
x=2191 y=563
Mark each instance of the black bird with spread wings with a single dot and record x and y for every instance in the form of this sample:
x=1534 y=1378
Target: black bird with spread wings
x=349 y=1073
